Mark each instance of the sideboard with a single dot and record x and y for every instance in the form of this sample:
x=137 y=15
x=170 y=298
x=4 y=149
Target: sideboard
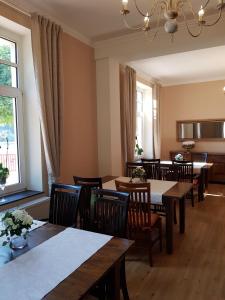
x=217 y=172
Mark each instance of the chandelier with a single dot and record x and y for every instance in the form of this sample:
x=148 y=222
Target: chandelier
x=168 y=11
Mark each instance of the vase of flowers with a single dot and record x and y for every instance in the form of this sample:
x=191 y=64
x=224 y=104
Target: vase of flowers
x=179 y=157
x=188 y=145
x=16 y=225
x=140 y=173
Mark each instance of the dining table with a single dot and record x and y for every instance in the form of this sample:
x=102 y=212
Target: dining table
x=201 y=169
x=165 y=192
x=49 y=254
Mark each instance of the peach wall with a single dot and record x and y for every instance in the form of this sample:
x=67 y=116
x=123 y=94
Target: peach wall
x=190 y=102
x=79 y=147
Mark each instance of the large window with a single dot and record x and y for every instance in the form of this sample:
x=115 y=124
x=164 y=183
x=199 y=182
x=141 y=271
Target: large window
x=10 y=112
x=144 y=115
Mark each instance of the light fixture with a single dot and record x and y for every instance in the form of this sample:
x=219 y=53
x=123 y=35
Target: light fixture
x=168 y=11
x=224 y=89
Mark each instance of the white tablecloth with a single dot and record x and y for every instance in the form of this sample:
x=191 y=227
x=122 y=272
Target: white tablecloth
x=196 y=165
x=34 y=274
x=158 y=187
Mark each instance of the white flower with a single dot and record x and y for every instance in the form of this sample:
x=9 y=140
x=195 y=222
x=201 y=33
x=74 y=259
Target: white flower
x=8 y=222
x=18 y=214
x=28 y=220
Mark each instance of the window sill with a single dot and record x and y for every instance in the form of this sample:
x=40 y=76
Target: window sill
x=19 y=196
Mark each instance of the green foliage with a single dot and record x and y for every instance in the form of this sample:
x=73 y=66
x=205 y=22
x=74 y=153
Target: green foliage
x=4 y=173
x=6 y=103
x=138 y=149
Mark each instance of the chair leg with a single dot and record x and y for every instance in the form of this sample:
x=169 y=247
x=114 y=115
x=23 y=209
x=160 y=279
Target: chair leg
x=160 y=234
x=192 y=198
x=123 y=281
x=175 y=213
x=150 y=249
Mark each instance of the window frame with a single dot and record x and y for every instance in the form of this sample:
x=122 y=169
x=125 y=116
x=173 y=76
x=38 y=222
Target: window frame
x=16 y=93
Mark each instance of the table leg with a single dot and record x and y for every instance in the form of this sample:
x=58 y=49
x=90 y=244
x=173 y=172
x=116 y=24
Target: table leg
x=169 y=203
x=201 y=185
x=115 y=282
x=182 y=214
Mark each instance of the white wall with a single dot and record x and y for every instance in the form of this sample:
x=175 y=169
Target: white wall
x=108 y=115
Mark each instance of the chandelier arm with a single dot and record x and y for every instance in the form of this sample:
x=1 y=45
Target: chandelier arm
x=131 y=27
x=216 y=21
x=158 y=21
x=154 y=7
x=206 y=4
x=191 y=8
x=138 y=9
x=188 y=29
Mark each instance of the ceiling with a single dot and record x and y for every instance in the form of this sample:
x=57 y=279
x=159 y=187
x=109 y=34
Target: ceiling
x=95 y=19
x=187 y=67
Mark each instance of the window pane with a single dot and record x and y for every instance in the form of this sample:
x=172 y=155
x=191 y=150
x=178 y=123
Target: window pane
x=8 y=138
x=8 y=75
x=7 y=50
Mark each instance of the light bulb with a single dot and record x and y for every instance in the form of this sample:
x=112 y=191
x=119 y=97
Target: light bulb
x=124 y=11
x=201 y=14
x=146 y=22
x=125 y=4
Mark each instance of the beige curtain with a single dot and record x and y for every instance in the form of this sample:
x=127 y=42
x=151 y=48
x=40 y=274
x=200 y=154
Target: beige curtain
x=46 y=45
x=156 y=121
x=128 y=113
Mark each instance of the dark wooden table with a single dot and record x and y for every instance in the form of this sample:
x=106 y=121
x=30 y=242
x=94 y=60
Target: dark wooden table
x=177 y=193
x=78 y=284
x=202 y=171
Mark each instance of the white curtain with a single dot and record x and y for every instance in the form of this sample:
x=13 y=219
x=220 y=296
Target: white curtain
x=156 y=121
x=46 y=45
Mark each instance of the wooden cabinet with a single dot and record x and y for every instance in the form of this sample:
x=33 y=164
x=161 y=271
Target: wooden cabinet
x=217 y=171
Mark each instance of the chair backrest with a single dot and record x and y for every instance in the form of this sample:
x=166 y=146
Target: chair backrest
x=87 y=184
x=139 y=213
x=152 y=168
x=131 y=166
x=64 y=201
x=199 y=157
x=183 y=170
x=109 y=215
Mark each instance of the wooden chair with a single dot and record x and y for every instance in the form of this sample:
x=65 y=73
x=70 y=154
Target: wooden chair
x=131 y=166
x=152 y=168
x=109 y=216
x=87 y=184
x=64 y=201
x=140 y=218
x=184 y=173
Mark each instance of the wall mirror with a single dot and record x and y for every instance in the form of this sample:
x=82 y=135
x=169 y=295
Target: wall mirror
x=201 y=130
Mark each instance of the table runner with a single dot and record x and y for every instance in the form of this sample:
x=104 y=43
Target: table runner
x=158 y=187
x=34 y=274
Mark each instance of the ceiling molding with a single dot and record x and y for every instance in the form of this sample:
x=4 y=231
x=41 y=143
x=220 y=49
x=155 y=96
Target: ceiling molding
x=32 y=8
x=185 y=82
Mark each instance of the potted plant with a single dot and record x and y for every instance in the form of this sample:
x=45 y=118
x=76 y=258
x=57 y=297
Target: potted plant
x=4 y=173
x=138 y=150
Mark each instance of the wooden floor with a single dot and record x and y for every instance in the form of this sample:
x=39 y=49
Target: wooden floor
x=196 y=270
